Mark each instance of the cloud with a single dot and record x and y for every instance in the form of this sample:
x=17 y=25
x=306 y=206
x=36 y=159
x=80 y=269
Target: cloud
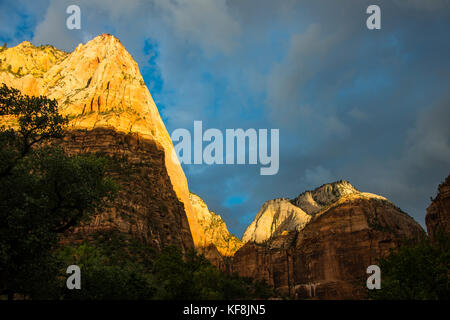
x=429 y=142
x=430 y=5
x=317 y=176
x=369 y=107
x=52 y=29
x=19 y=19
x=205 y=23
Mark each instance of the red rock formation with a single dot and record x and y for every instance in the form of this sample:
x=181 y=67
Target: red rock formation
x=98 y=85
x=215 y=231
x=328 y=258
x=438 y=213
x=146 y=207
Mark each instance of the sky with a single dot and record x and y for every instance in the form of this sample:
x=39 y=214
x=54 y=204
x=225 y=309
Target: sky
x=368 y=106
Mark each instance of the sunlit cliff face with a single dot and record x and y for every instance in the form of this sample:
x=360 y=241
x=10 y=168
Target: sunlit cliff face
x=97 y=85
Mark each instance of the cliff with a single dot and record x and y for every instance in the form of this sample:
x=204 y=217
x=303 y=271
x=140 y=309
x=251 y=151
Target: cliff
x=99 y=85
x=438 y=213
x=283 y=215
x=327 y=257
x=274 y=218
x=215 y=230
x=146 y=207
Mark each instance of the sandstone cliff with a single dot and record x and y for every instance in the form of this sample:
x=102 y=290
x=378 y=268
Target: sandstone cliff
x=438 y=213
x=283 y=215
x=327 y=258
x=147 y=207
x=215 y=230
x=99 y=85
x=275 y=217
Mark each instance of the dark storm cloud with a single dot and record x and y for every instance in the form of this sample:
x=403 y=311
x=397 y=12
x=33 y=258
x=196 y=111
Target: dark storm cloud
x=367 y=106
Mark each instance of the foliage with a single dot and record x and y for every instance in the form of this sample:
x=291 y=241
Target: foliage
x=43 y=192
x=132 y=273
x=103 y=277
x=196 y=278
x=416 y=272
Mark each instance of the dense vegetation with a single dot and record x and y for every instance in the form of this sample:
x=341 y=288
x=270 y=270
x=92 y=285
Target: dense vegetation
x=416 y=271
x=114 y=267
x=44 y=192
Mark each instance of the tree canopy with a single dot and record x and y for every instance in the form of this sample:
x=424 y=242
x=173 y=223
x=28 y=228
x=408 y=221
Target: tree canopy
x=43 y=192
x=416 y=271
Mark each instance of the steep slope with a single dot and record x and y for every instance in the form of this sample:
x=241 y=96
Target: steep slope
x=283 y=215
x=438 y=213
x=318 y=199
x=275 y=217
x=146 y=207
x=214 y=228
x=328 y=257
x=98 y=85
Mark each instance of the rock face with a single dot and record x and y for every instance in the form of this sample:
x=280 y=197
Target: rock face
x=314 y=201
x=328 y=257
x=438 y=213
x=284 y=215
x=215 y=230
x=147 y=207
x=275 y=217
x=98 y=85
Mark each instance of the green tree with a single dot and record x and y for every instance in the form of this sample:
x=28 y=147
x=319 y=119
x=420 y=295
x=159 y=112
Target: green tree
x=194 y=277
x=105 y=277
x=43 y=192
x=417 y=271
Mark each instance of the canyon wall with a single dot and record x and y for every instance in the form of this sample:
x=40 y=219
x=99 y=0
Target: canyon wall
x=99 y=85
x=327 y=258
x=215 y=231
x=438 y=213
x=146 y=207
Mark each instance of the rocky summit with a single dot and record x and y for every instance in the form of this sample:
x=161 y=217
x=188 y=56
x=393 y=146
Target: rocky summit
x=279 y=216
x=275 y=218
x=319 y=245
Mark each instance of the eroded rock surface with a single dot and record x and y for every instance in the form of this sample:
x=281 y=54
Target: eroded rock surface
x=327 y=258
x=215 y=230
x=438 y=213
x=146 y=207
x=275 y=217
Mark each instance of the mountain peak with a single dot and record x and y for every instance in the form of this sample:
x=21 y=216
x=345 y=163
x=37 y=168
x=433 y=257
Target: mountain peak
x=281 y=215
x=28 y=59
x=313 y=200
x=274 y=218
x=103 y=42
x=25 y=44
x=97 y=85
